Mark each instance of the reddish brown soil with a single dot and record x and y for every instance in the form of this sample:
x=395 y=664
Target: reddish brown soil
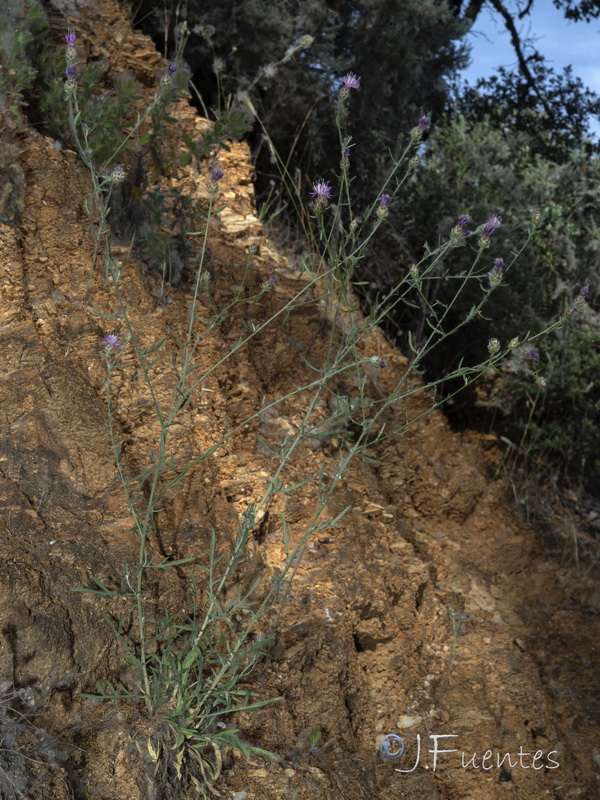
x=366 y=645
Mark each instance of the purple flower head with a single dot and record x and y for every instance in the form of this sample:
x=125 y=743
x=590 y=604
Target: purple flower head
x=580 y=299
x=493 y=223
x=384 y=199
x=273 y=279
x=111 y=340
x=351 y=81
x=70 y=38
x=495 y=275
x=463 y=220
x=321 y=190
x=531 y=353
x=424 y=122
x=216 y=174
x=71 y=71
x=171 y=69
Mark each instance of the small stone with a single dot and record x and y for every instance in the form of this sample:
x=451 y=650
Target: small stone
x=407 y=722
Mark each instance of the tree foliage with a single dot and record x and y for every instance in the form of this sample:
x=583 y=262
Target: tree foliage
x=404 y=51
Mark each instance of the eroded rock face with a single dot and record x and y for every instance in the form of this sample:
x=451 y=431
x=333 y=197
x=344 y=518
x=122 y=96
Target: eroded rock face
x=429 y=609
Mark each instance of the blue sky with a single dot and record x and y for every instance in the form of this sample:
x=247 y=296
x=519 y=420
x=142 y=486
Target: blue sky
x=562 y=43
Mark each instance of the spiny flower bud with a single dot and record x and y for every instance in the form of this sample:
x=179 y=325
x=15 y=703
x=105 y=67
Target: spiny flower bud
x=417 y=133
x=493 y=346
x=414 y=272
x=495 y=275
x=165 y=81
x=513 y=343
x=536 y=217
x=542 y=383
x=118 y=175
x=382 y=211
x=414 y=162
x=270 y=282
x=580 y=299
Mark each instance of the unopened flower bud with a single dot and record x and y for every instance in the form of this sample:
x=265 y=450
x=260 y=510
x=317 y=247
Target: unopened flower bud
x=414 y=162
x=536 y=217
x=495 y=274
x=513 y=343
x=542 y=383
x=580 y=299
x=493 y=346
x=414 y=272
x=118 y=175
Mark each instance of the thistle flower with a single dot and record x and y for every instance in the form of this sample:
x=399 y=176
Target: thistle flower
x=351 y=81
x=463 y=220
x=417 y=133
x=111 y=340
x=165 y=81
x=383 y=211
x=216 y=173
x=70 y=37
x=270 y=282
x=533 y=354
x=321 y=190
x=70 y=71
x=495 y=275
x=493 y=223
x=580 y=299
